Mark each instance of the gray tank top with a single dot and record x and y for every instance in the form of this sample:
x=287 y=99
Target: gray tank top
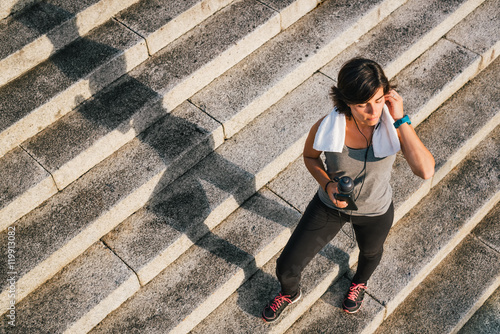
x=376 y=194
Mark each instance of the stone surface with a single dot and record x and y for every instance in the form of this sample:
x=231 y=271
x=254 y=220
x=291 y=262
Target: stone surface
x=100 y=126
x=465 y=278
x=283 y=63
x=47 y=27
x=291 y=10
x=489 y=230
x=327 y=315
x=486 y=320
x=225 y=179
x=78 y=288
x=295 y=185
x=185 y=66
x=163 y=21
x=407 y=32
x=472 y=188
x=115 y=189
x=23 y=186
x=9 y=7
x=234 y=251
x=478 y=32
x=425 y=84
x=62 y=82
x=241 y=312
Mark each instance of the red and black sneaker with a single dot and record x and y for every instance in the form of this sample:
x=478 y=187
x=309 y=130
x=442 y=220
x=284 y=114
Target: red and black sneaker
x=354 y=298
x=274 y=308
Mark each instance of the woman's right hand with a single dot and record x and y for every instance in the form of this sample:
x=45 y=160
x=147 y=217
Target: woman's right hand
x=331 y=189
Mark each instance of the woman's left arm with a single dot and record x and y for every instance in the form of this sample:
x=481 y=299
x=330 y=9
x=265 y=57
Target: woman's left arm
x=418 y=156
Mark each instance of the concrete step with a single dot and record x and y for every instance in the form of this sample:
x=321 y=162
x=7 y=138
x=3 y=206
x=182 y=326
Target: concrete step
x=283 y=63
x=452 y=292
x=95 y=130
x=88 y=209
x=9 y=7
x=65 y=80
x=486 y=320
x=111 y=280
x=36 y=32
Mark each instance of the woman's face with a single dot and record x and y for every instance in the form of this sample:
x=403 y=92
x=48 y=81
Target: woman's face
x=369 y=113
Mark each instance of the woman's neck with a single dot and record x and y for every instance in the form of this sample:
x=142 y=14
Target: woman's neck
x=358 y=135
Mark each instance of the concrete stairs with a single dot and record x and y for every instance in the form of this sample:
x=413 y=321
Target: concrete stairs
x=152 y=132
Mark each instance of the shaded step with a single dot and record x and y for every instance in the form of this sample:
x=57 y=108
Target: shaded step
x=160 y=22
x=486 y=320
x=187 y=291
x=409 y=31
x=71 y=295
x=35 y=33
x=62 y=82
x=283 y=63
x=65 y=225
x=194 y=60
x=219 y=183
x=83 y=138
x=9 y=7
x=452 y=292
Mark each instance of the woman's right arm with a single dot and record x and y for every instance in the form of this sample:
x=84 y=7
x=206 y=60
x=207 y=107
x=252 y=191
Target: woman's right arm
x=314 y=164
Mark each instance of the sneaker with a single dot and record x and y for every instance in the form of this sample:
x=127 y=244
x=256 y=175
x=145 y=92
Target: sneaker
x=273 y=310
x=354 y=298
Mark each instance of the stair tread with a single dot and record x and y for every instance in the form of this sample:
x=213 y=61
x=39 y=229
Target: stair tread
x=74 y=296
x=281 y=64
x=462 y=279
x=189 y=58
x=40 y=30
x=223 y=180
x=486 y=320
x=63 y=81
x=161 y=21
x=233 y=250
x=114 y=189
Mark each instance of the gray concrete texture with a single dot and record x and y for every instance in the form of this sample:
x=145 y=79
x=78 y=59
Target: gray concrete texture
x=195 y=59
x=284 y=62
x=161 y=21
x=65 y=80
x=229 y=176
x=44 y=28
x=78 y=288
x=234 y=252
x=114 y=190
x=448 y=296
x=409 y=31
x=486 y=320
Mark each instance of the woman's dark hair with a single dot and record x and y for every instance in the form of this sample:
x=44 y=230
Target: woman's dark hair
x=358 y=81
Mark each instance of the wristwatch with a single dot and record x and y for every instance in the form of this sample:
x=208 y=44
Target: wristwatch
x=405 y=119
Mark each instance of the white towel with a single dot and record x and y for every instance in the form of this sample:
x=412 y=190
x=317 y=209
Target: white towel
x=331 y=134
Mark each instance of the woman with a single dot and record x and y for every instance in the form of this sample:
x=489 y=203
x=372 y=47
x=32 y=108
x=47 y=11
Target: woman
x=360 y=139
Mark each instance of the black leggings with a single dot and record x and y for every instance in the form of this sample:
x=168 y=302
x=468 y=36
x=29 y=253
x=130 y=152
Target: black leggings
x=317 y=227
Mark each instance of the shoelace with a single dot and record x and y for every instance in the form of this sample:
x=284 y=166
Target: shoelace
x=354 y=291
x=278 y=300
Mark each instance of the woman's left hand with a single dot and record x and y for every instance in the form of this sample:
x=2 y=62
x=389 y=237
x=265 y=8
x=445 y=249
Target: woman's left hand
x=395 y=104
